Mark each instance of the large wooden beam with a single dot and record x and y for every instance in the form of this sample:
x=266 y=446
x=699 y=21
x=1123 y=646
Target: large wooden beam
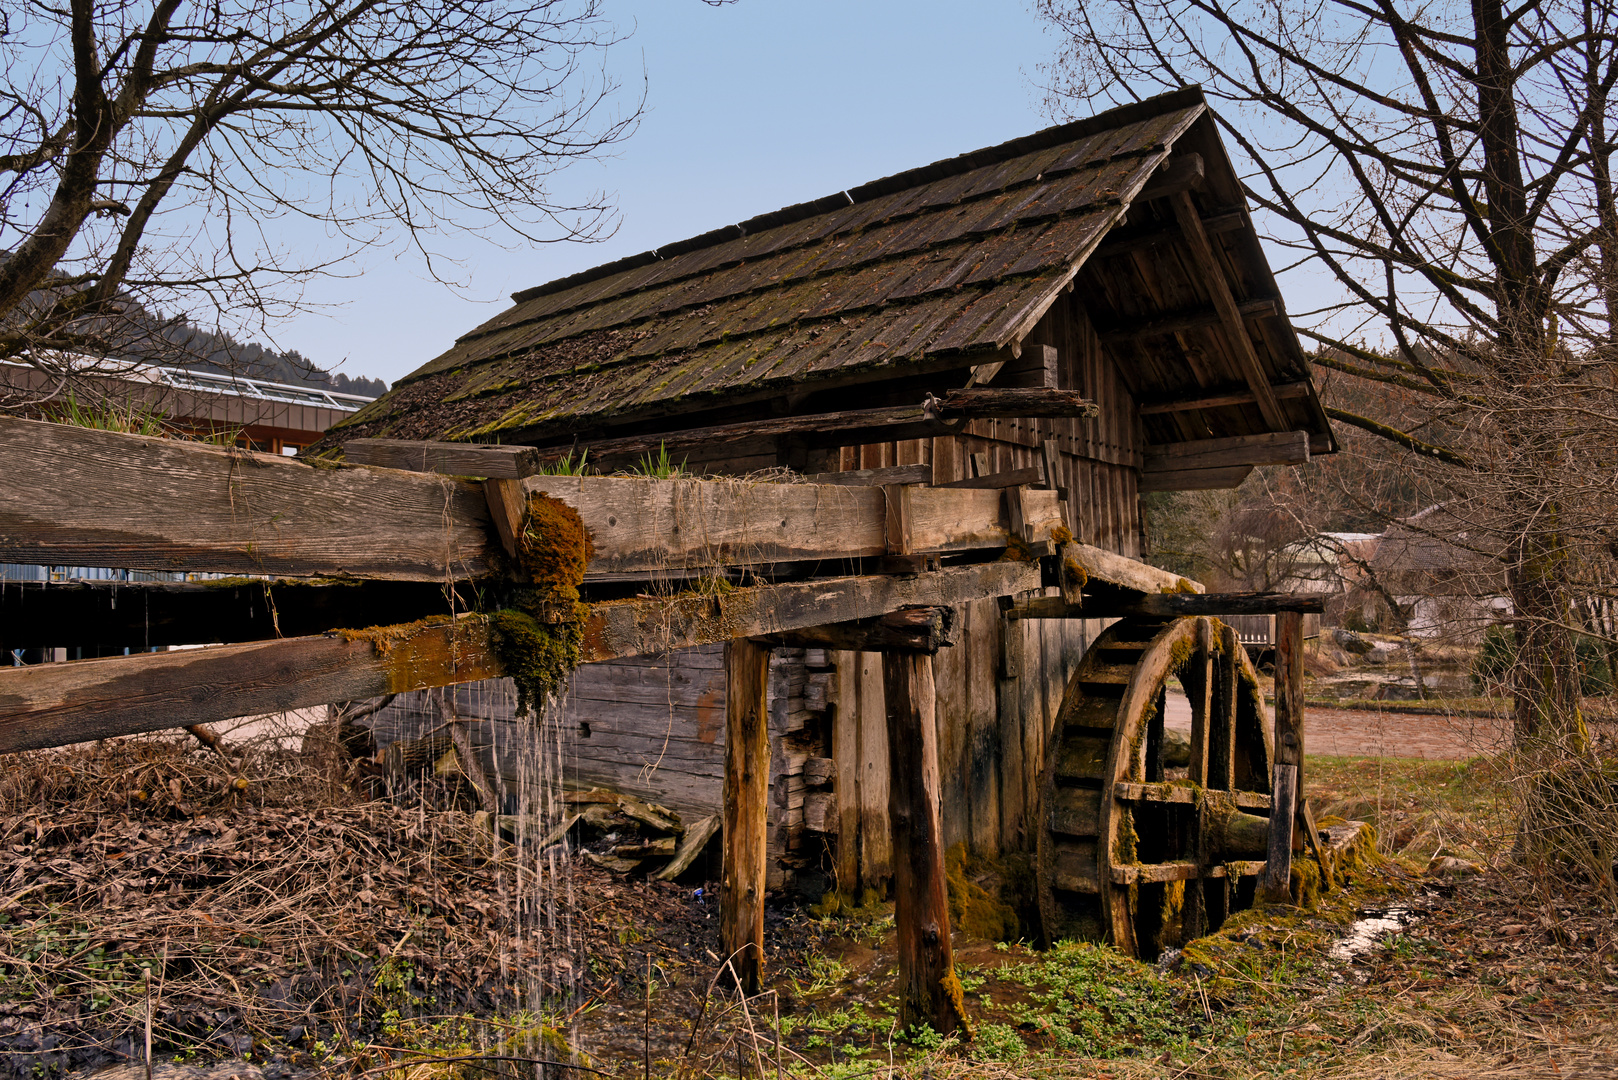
x=55 y=704
x=1099 y=566
x=929 y=992
x=1204 y=399
x=1195 y=479
x=1166 y=605
x=141 y=614
x=1178 y=322
x=81 y=497
x=746 y=808
x=1271 y=448
x=649 y=527
x=485 y=460
x=1213 y=276
x=917 y=629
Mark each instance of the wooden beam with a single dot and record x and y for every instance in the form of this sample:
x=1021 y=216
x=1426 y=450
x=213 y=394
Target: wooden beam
x=746 y=806
x=1213 y=276
x=987 y=402
x=917 y=629
x=142 y=614
x=651 y=527
x=929 y=992
x=1182 y=172
x=1104 y=567
x=484 y=460
x=82 y=497
x=1012 y=478
x=1167 y=605
x=1129 y=242
x=897 y=474
x=1287 y=784
x=1271 y=448
x=1178 y=322
x=1219 y=399
x=54 y=704
x=1195 y=479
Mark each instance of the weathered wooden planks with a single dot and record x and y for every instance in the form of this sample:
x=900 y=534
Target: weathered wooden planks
x=95 y=498
x=645 y=526
x=1174 y=604
x=101 y=499
x=484 y=460
x=53 y=704
x=1270 y=448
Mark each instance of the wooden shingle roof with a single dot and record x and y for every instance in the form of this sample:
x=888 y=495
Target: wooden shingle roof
x=927 y=271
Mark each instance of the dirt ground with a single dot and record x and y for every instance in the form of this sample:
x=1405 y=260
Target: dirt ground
x=295 y=930
x=1434 y=736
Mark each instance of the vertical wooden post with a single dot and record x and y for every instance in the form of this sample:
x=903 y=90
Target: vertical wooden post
x=1202 y=716
x=747 y=779
x=1288 y=781
x=928 y=990
x=1223 y=769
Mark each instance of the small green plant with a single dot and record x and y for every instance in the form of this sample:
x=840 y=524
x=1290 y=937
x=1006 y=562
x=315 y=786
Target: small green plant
x=566 y=465
x=999 y=1042
x=661 y=467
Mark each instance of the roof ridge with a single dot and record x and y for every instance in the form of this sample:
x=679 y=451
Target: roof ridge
x=975 y=159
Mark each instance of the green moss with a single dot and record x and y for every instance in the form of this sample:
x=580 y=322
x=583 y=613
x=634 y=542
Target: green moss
x=554 y=548
x=538 y=656
x=951 y=987
x=384 y=638
x=1062 y=535
x=973 y=910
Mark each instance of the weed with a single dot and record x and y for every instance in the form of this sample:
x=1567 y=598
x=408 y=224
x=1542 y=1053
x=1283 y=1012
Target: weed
x=660 y=467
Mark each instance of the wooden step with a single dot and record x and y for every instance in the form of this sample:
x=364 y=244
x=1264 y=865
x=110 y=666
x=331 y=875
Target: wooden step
x=1085 y=711
x=1074 y=867
x=1076 y=811
x=1182 y=793
x=1083 y=757
x=1103 y=674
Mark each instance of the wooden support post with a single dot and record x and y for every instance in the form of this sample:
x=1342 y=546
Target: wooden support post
x=1288 y=784
x=1202 y=723
x=508 y=508
x=928 y=990
x=1223 y=766
x=747 y=781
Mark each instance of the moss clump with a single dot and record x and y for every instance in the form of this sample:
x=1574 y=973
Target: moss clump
x=554 y=548
x=974 y=910
x=537 y=656
x=868 y=907
x=1062 y=535
x=1305 y=882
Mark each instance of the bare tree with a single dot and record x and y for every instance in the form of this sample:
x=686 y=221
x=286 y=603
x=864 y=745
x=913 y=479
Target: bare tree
x=1449 y=167
x=151 y=149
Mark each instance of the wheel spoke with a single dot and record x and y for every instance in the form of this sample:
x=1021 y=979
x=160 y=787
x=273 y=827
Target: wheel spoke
x=1199 y=684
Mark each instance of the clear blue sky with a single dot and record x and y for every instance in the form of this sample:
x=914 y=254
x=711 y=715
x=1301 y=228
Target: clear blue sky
x=750 y=107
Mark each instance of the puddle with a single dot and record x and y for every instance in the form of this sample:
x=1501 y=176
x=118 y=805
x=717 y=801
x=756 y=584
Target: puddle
x=1369 y=929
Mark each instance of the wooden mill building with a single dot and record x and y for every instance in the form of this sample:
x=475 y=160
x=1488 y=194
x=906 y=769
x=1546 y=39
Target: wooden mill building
x=1112 y=258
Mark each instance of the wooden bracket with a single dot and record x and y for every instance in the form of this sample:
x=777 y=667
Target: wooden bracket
x=897 y=498
x=508 y=508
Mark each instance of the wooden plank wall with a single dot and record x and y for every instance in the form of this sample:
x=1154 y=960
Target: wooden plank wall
x=647 y=726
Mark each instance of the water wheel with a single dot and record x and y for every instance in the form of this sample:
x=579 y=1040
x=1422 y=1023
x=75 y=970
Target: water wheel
x=1132 y=850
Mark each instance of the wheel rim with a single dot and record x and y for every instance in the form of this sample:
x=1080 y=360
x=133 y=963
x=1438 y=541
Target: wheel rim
x=1123 y=854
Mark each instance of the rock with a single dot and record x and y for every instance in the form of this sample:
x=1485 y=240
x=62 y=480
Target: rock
x=1450 y=866
x=1176 y=748
x=1383 y=652
x=1351 y=642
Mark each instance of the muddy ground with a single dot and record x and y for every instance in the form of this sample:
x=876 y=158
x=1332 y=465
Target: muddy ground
x=298 y=930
